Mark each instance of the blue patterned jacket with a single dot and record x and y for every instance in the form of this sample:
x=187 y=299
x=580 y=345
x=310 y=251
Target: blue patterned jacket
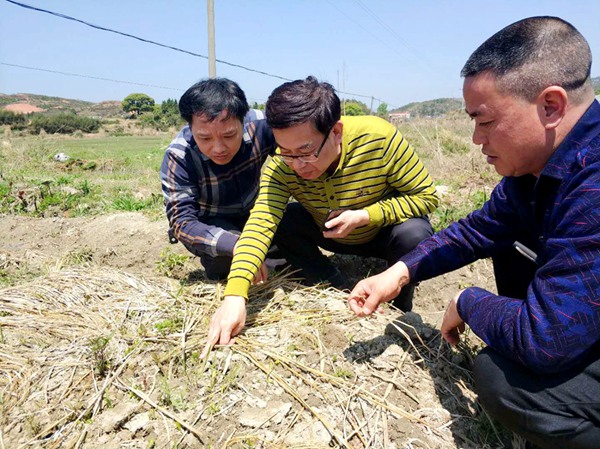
x=196 y=189
x=559 y=321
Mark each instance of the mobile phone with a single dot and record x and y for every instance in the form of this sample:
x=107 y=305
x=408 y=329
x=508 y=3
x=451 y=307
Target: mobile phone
x=332 y=213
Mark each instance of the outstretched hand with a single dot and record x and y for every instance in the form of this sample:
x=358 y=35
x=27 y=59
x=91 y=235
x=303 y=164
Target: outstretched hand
x=452 y=324
x=372 y=291
x=226 y=323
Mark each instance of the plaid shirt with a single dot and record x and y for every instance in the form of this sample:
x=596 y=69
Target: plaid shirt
x=558 y=323
x=196 y=189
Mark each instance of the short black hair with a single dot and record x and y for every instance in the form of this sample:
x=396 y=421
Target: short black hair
x=211 y=97
x=300 y=101
x=532 y=54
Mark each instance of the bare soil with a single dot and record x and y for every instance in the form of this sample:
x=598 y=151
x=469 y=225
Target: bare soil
x=22 y=108
x=434 y=387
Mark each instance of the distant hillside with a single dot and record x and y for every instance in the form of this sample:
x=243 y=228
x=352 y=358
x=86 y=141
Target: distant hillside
x=56 y=104
x=432 y=108
x=596 y=84
x=441 y=106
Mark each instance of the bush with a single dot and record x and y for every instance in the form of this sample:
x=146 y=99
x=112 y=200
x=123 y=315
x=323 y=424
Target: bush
x=16 y=121
x=63 y=124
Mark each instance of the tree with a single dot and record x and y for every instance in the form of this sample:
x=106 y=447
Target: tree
x=137 y=103
x=354 y=107
x=382 y=110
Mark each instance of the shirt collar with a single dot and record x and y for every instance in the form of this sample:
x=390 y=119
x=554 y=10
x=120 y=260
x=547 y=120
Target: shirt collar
x=570 y=148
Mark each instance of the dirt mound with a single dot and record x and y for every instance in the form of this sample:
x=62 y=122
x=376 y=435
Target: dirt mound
x=22 y=108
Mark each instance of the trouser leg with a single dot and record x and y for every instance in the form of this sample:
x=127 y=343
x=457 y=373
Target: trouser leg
x=298 y=238
x=390 y=244
x=549 y=410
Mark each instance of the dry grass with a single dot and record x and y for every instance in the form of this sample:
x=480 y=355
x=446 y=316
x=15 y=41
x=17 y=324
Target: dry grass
x=96 y=357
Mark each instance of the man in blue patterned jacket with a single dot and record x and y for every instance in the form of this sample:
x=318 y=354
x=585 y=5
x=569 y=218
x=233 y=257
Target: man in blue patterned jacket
x=529 y=92
x=210 y=172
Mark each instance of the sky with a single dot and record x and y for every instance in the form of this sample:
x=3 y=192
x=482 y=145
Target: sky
x=392 y=51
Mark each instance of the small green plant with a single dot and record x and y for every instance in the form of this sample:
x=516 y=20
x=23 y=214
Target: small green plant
x=79 y=256
x=169 y=326
x=98 y=347
x=171 y=398
x=169 y=261
x=343 y=373
x=85 y=187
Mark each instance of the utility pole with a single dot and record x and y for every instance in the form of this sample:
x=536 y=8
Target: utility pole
x=212 y=66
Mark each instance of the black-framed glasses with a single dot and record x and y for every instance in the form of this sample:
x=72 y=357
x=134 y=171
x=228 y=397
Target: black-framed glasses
x=305 y=158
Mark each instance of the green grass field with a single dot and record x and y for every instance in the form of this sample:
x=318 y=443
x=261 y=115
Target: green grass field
x=102 y=174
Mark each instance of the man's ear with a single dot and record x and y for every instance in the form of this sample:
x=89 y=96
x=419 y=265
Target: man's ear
x=338 y=131
x=552 y=103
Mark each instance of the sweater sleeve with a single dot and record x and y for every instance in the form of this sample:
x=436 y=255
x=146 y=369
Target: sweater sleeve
x=415 y=194
x=259 y=231
x=559 y=321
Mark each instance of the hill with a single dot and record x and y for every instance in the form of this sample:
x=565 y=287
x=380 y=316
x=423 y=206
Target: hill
x=432 y=108
x=56 y=104
x=442 y=106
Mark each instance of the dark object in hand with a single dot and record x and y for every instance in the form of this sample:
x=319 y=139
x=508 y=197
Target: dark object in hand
x=330 y=215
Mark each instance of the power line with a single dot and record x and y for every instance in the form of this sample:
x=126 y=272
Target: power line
x=98 y=27
x=390 y=30
x=87 y=76
x=101 y=28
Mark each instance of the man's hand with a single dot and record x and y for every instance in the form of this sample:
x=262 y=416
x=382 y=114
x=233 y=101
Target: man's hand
x=227 y=322
x=370 y=292
x=346 y=222
x=452 y=324
x=262 y=274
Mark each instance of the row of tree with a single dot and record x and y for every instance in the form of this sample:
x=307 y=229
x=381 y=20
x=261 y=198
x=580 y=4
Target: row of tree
x=150 y=115
x=349 y=107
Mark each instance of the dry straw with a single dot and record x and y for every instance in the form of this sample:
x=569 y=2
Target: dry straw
x=95 y=357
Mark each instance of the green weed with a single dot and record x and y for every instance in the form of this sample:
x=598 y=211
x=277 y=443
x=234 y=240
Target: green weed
x=170 y=261
x=98 y=348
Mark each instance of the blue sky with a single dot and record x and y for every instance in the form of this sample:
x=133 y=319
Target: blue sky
x=398 y=51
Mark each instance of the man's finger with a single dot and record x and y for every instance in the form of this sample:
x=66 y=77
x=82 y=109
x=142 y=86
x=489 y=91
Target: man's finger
x=211 y=341
x=356 y=305
x=371 y=304
x=225 y=337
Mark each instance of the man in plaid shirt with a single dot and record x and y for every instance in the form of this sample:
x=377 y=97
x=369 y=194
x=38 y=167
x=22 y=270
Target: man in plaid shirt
x=210 y=172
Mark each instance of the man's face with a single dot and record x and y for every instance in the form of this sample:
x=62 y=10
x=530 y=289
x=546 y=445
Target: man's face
x=304 y=140
x=220 y=139
x=509 y=129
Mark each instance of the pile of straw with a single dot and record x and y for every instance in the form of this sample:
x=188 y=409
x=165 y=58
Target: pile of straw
x=94 y=357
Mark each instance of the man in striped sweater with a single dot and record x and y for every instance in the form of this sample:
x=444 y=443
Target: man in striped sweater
x=211 y=171
x=360 y=167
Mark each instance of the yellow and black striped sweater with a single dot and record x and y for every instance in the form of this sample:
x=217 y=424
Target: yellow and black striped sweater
x=378 y=171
